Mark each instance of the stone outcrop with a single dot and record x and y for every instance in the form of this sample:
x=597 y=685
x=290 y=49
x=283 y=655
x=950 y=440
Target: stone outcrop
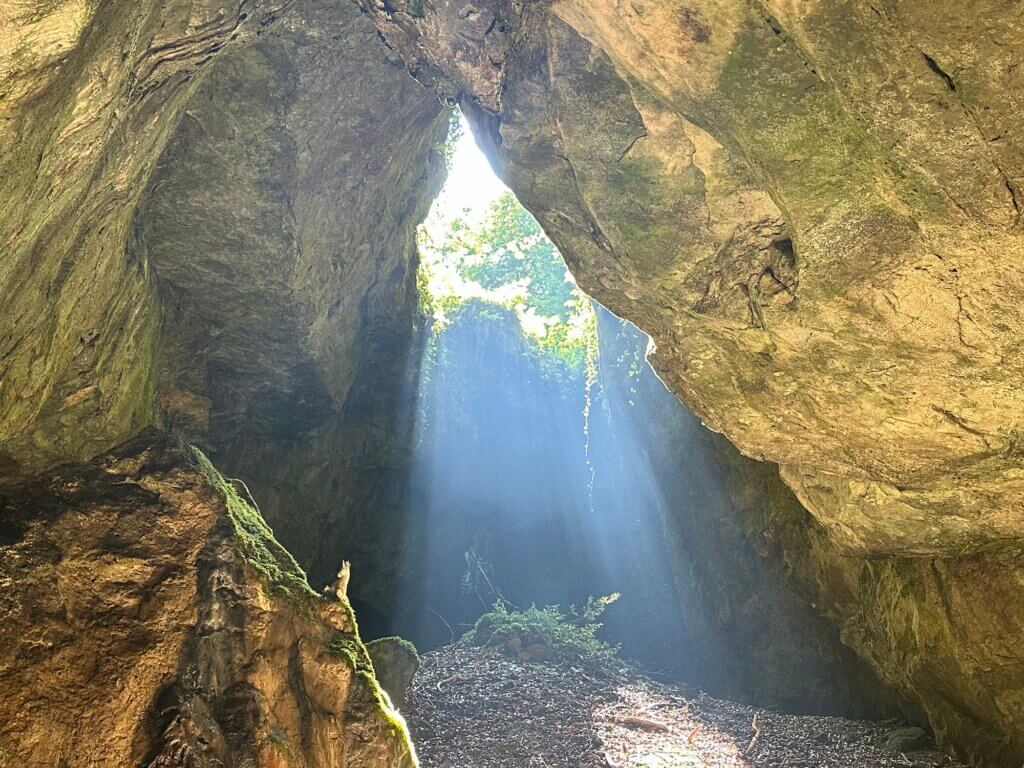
x=395 y=661
x=208 y=223
x=150 y=619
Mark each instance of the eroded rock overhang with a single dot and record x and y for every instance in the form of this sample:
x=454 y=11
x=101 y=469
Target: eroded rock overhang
x=815 y=213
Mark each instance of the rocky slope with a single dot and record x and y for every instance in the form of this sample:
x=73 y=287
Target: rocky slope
x=150 y=619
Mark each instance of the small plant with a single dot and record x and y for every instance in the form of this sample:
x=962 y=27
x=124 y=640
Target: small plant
x=540 y=634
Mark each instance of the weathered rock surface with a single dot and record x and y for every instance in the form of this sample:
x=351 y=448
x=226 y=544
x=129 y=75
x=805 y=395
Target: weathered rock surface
x=90 y=92
x=237 y=291
x=275 y=237
x=943 y=633
x=813 y=208
x=395 y=662
x=150 y=619
x=280 y=225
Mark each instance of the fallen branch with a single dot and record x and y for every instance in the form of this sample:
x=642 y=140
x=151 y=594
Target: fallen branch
x=442 y=618
x=643 y=722
x=754 y=739
x=451 y=679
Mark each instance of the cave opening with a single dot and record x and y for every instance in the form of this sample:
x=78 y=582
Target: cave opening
x=540 y=472
x=559 y=504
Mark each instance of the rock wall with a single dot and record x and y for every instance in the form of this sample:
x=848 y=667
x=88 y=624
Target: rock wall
x=90 y=94
x=813 y=207
x=253 y=288
x=150 y=619
x=280 y=225
x=208 y=224
x=941 y=632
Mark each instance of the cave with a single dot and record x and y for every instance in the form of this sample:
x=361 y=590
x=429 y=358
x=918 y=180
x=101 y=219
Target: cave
x=497 y=383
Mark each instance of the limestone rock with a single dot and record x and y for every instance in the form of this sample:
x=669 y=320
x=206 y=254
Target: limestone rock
x=395 y=662
x=150 y=619
x=90 y=93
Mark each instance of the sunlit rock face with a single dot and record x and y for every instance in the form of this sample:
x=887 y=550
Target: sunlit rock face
x=813 y=208
x=148 y=619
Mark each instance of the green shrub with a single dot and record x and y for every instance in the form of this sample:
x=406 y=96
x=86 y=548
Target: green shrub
x=570 y=635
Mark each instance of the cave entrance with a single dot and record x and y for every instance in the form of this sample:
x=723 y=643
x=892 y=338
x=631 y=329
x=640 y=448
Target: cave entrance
x=549 y=466
x=533 y=478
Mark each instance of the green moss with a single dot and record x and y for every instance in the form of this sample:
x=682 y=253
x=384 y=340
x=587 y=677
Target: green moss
x=348 y=647
x=818 y=164
x=402 y=642
x=280 y=574
x=284 y=579
x=280 y=743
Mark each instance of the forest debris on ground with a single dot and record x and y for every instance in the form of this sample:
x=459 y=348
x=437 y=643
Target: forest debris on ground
x=505 y=714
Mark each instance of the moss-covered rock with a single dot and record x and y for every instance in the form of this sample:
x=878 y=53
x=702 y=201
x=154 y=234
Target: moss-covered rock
x=395 y=662
x=150 y=618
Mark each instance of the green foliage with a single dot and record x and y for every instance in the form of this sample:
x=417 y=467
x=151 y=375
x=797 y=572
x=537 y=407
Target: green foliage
x=507 y=259
x=570 y=634
x=510 y=248
x=447 y=148
x=348 y=647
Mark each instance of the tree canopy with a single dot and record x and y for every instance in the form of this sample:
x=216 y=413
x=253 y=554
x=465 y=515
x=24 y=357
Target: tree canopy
x=506 y=258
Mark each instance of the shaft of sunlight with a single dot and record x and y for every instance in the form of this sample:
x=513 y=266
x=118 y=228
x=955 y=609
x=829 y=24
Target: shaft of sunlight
x=527 y=478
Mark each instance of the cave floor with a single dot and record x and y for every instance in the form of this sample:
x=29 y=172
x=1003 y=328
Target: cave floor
x=471 y=708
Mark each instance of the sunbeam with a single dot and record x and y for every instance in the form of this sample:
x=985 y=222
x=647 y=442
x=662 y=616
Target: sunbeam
x=529 y=483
